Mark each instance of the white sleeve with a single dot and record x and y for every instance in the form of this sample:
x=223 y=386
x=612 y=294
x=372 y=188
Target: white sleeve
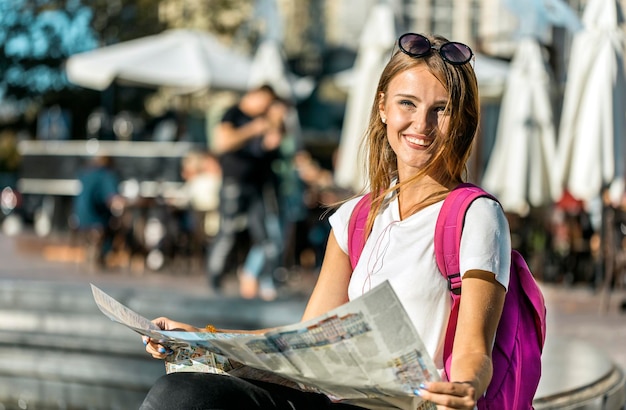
x=486 y=240
x=339 y=221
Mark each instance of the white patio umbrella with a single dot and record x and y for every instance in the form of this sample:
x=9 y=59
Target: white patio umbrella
x=269 y=66
x=591 y=151
x=518 y=170
x=491 y=75
x=377 y=40
x=185 y=60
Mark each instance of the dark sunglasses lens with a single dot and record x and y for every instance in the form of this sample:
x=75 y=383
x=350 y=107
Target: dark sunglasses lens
x=415 y=44
x=456 y=53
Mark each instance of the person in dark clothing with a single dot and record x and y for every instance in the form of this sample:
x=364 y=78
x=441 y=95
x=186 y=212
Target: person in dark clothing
x=246 y=141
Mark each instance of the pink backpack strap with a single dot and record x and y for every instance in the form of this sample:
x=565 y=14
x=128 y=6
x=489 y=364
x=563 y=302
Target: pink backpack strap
x=448 y=230
x=356 y=228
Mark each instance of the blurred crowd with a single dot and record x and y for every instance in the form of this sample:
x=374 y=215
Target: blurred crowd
x=569 y=242
x=253 y=206
x=250 y=206
x=573 y=242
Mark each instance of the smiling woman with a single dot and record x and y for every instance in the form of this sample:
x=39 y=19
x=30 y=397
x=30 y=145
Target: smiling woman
x=422 y=123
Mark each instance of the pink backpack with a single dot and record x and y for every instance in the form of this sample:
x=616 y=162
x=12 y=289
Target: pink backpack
x=522 y=329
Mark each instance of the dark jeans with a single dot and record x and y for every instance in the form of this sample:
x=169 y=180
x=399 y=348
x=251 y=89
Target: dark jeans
x=237 y=201
x=205 y=391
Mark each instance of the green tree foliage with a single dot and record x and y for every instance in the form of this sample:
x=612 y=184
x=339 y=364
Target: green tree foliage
x=37 y=36
x=115 y=21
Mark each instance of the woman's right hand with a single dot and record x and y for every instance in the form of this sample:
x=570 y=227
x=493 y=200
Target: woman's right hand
x=157 y=350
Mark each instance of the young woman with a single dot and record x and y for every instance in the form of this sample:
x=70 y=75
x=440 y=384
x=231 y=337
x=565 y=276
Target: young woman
x=423 y=121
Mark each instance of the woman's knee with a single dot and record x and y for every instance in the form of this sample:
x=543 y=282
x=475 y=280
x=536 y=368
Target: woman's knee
x=173 y=391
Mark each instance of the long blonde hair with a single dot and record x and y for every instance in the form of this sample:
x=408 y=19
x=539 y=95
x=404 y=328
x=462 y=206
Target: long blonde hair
x=450 y=151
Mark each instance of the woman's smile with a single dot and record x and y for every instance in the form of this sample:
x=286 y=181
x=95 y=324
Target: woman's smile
x=418 y=141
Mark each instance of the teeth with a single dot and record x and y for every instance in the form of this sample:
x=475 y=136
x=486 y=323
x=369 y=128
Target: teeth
x=418 y=141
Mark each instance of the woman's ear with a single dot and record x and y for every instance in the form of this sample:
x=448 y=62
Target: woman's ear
x=381 y=107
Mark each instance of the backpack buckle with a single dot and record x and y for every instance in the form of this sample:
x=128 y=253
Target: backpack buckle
x=454 y=283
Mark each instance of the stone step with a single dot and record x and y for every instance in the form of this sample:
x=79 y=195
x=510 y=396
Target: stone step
x=51 y=298
x=37 y=378
x=58 y=351
x=19 y=393
x=129 y=345
x=103 y=369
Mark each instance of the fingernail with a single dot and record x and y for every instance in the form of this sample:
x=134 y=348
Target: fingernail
x=417 y=392
x=423 y=386
x=145 y=342
x=162 y=350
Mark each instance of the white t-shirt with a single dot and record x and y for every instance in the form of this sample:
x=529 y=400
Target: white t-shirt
x=402 y=251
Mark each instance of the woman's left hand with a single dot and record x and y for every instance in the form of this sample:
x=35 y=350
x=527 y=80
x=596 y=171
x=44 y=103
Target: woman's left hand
x=449 y=395
x=157 y=350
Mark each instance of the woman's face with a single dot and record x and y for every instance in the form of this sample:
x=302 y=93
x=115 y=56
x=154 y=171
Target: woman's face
x=414 y=110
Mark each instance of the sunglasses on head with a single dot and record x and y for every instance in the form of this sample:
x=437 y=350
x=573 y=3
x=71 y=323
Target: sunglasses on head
x=416 y=45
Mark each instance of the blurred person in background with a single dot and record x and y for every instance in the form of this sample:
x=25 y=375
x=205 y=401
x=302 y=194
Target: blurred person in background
x=247 y=141
x=203 y=184
x=319 y=192
x=10 y=199
x=95 y=205
x=198 y=199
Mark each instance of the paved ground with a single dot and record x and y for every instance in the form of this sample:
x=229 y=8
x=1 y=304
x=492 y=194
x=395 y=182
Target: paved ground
x=576 y=313
x=573 y=312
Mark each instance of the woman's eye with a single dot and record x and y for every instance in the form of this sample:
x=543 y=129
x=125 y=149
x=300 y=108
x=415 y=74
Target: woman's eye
x=440 y=110
x=407 y=103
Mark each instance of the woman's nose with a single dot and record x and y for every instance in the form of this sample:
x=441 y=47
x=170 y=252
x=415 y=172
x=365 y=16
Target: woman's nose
x=423 y=121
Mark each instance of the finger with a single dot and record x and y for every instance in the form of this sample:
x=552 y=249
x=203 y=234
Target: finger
x=164 y=350
x=152 y=348
x=446 y=402
x=451 y=388
x=161 y=322
x=158 y=351
x=158 y=355
x=448 y=395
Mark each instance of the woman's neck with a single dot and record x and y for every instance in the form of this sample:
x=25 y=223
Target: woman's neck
x=417 y=195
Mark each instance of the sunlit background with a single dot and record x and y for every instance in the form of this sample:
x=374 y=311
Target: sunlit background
x=145 y=82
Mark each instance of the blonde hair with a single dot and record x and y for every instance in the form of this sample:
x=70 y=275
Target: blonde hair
x=449 y=151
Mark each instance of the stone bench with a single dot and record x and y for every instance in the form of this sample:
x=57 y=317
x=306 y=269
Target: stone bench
x=576 y=375
x=57 y=350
